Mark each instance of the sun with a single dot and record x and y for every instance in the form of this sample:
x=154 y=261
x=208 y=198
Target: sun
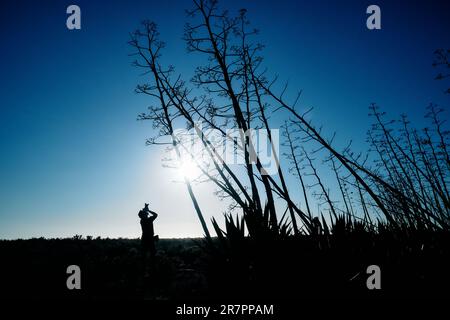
x=188 y=169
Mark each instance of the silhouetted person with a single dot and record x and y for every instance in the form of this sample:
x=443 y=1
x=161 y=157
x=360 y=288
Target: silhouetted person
x=148 y=234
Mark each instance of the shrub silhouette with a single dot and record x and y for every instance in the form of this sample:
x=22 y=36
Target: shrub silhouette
x=393 y=205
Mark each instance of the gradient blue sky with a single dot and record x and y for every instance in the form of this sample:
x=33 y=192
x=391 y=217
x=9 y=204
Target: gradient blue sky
x=72 y=155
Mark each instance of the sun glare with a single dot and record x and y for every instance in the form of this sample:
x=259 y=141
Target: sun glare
x=188 y=169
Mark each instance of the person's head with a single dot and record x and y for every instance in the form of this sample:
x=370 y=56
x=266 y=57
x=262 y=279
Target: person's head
x=142 y=214
x=146 y=206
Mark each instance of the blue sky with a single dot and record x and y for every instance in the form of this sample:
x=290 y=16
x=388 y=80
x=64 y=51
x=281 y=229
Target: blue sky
x=73 y=157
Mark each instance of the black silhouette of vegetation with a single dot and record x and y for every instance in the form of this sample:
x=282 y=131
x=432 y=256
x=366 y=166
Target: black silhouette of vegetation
x=393 y=203
x=386 y=206
x=442 y=62
x=110 y=269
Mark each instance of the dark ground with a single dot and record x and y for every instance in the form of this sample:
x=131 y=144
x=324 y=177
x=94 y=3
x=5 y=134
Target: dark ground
x=110 y=268
x=291 y=269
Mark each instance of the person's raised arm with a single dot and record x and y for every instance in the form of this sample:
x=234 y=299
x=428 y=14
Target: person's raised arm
x=153 y=213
